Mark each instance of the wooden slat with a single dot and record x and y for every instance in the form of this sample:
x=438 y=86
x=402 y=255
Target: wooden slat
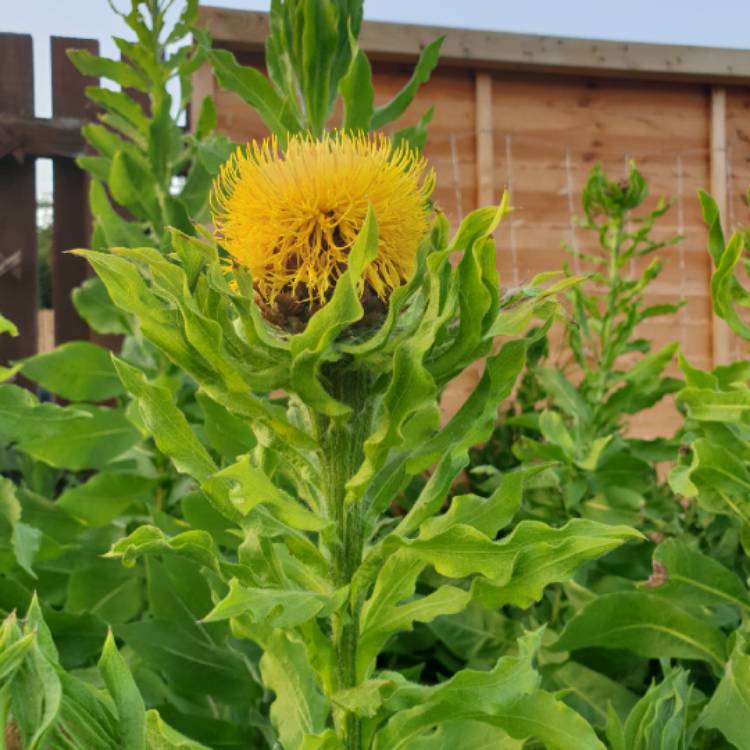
x=485 y=141
x=721 y=338
x=18 y=270
x=40 y=137
x=507 y=51
x=72 y=221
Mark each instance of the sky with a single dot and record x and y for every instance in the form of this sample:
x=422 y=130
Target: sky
x=726 y=24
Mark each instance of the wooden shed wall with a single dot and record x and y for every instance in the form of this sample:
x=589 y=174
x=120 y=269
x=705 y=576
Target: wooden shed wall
x=537 y=134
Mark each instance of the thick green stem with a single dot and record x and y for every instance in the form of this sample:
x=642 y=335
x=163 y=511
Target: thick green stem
x=341 y=443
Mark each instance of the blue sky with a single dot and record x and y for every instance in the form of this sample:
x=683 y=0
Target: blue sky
x=722 y=23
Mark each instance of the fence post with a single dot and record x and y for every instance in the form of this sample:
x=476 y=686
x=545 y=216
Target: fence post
x=18 y=269
x=484 y=140
x=72 y=220
x=721 y=338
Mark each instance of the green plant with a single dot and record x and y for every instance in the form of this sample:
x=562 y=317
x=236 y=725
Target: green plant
x=691 y=612
x=312 y=56
x=79 y=475
x=573 y=409
x=320 y=581
x=73 y=494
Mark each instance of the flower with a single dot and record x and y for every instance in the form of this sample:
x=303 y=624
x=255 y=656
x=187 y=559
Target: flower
x=292 y=217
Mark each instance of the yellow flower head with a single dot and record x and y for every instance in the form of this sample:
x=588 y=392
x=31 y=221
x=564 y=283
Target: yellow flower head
x=291 y=218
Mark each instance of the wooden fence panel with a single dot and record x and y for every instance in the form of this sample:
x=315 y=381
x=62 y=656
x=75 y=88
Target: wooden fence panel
x=72 y=219
x=18 y=266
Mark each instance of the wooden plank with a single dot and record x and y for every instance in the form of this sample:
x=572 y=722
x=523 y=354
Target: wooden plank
x=485 y=141
x=721 y=334
x=18 y=270
x=502 y=50
x=71 y=217
x=41 y=137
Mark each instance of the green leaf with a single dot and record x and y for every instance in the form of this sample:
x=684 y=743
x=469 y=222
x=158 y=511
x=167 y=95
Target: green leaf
x=105 y=496
x=160 y=736
x=725 y=288
x=84 y=437
x=468 y=733
x=77 y=371
x=518 y=567
x=22 y=540
x=415 y=135
x=648 y=625
x=357 y=93
x=254 y=88
x=505 y=697
x=228 y=435
x=94 y=305
x=565 y=395
x=116 y=230
x=553 y=429
x=692 y=578
x=661 y=718
x=278 y=608
x=486 y=514
x=166 y=423
x=428 y=59
x=319 y=43
x=101 y=67
x=384 y=614
x=254 y=487
x=717 y=406
x=105 y=589
x=344 y=308
x=207 y=119
x=163 y=133
x=131 y=184
x=121 y=104
x=128 y=702
x=148 y=540
x=299 y=708
x=712 y=219
x=729 y=707
x=7 y=327
x=590 y=692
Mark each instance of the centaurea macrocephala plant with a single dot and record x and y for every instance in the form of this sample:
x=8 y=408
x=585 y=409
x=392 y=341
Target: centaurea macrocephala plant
x=331 y=281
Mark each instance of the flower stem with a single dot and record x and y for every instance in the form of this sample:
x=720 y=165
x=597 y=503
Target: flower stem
x=341 y=443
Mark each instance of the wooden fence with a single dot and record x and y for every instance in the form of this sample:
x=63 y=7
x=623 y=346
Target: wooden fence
x=530 y=114
x=533 y=115
x=23 y=139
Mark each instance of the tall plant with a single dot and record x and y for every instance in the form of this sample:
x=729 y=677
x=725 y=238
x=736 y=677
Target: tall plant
x=322 y=579
x=574 y=405
x=693 y=609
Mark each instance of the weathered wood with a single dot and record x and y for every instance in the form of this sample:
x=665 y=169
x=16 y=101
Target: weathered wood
x=40 y=137
x=71 y=217
x=721 y=334
x=485 y=140
x=18 y=269
x=507 y=51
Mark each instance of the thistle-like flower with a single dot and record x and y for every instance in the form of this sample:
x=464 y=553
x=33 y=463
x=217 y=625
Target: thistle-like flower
x=291 y=217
